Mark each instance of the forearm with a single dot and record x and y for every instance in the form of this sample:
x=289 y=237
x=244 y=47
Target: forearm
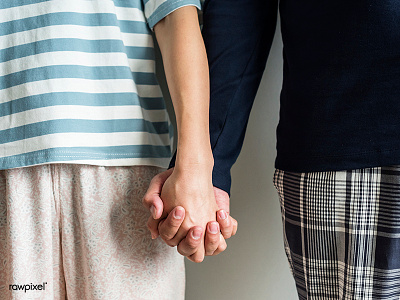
x=186 y=69
x=237 y=49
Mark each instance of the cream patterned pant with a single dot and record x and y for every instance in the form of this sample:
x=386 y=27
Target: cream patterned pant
x=79 y=232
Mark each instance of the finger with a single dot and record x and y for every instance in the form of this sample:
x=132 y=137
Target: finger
x=212 y=238
x=151 y=199
x=222 y=245
x=235 y=226
x=189 y=245
x=152 y=225
x=225 y=223
x=169 y=228
x=222 y=199
x=198 y=256
x=179 y=236
x=155 y=205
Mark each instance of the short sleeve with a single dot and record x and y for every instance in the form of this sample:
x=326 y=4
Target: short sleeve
x=156 y=10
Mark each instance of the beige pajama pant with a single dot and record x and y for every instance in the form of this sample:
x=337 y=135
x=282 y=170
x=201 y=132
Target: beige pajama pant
x=79 y=232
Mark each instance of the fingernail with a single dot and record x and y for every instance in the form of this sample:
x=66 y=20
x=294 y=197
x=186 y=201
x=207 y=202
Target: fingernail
x=213 y=228
x=196 y=234
x=178 y=213
x=153 y=211
x=222 y=214
x=153 y=237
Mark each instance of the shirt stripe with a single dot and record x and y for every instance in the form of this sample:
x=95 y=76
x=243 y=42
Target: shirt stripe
x=123 y=13
x=70 y=58
x=77 y=45
x=82 y=113
x=75 y=32
x=76 y=125
x=89 y=99
x=82 y=140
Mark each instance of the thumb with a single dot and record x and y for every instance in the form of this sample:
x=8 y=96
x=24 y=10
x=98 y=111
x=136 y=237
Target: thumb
x=156 y=207
x=222 y=199
x=152 y=200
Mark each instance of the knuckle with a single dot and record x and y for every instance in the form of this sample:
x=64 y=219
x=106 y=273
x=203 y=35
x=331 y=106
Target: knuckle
x=227 y=222
x=180 y=251
x=166 y=236
x=227 y=234
x=226 y=230
x=183 y=251
x=196 y=258
x=166 y=233
x=148 y=201
x=209 y=253
x=212 y=243
x=222 y=247
x=149 y=224
x=169 y=242
x=173 y=243
x=192 y=244
x=224 y=224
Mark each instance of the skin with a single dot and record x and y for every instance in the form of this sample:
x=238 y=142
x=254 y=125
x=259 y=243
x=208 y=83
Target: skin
x=188 y=205
x=166 y=228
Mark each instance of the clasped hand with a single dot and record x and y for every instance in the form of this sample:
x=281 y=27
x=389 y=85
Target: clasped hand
x=188 y=212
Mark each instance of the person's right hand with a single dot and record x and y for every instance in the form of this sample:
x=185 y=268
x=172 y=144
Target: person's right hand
x=214 y=242
x=169 y=227
x=192 y=189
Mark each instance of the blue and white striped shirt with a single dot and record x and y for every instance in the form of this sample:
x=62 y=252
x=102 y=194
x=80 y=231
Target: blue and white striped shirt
x=78 y=84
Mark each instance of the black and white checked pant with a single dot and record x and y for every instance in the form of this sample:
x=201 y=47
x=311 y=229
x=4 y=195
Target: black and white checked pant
x=342 y=232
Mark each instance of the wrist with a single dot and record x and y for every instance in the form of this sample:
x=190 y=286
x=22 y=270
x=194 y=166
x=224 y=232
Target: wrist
x=194 y=159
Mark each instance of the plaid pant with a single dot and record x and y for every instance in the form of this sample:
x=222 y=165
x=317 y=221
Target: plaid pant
x=342 y=232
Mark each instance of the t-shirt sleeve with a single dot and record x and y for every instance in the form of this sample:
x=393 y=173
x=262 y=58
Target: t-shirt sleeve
x=156 y=10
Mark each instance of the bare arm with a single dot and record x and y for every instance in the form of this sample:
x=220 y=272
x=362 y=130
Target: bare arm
x=186 y=69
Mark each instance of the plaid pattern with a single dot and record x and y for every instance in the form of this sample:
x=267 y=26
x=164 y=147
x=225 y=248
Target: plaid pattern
x=342 y=232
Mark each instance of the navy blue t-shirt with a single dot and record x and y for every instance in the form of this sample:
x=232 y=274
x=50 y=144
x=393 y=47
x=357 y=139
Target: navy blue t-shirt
x=340 y=100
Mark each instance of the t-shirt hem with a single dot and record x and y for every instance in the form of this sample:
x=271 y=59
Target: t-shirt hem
x=107 y=162
x=306 y=164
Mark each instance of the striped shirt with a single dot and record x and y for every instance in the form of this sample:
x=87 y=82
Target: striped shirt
x=78 y=83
